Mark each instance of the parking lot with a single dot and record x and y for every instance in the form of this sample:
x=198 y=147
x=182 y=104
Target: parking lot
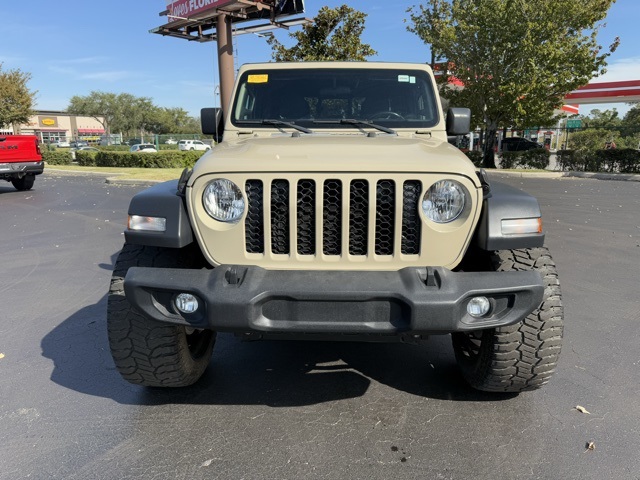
x=291 y=410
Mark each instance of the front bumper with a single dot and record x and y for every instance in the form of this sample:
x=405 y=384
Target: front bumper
x=414 y=301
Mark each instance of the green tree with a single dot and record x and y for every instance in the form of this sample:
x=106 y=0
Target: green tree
x=16 y=100
x=334 y=35
x=631 y=123
x=103 y=106
x=601 y=119
x=517 y=59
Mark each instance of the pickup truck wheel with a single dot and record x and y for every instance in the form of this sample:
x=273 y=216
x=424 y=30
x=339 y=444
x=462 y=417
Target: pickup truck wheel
x=24 y=183
x=147 y=352
x=523 y=356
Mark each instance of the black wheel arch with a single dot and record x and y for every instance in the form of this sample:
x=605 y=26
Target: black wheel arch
x=505 y=203
x=164 y=201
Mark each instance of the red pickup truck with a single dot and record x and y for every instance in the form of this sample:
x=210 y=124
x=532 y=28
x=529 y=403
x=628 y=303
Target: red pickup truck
x=20 y=160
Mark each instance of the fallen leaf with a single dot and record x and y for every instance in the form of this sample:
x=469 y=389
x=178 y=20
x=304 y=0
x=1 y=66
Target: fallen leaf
x=582 y=410
x=207 y=463
x=590 y=446
x=1 y=355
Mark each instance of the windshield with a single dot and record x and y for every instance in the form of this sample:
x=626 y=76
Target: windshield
x=321 y=97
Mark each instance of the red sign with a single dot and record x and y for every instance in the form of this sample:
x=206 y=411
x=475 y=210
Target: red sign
x=187 y=8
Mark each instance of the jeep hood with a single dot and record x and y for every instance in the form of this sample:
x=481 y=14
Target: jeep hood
x=335 y=153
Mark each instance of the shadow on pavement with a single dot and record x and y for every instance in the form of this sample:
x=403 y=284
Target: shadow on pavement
x=272 y=373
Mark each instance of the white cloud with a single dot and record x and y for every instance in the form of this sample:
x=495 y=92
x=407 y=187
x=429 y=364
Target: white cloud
x=107 y=76
x=620 y=70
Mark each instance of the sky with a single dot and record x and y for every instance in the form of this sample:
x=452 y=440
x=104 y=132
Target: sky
x=75 y=47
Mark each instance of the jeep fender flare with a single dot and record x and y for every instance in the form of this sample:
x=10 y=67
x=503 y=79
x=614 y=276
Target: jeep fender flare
x=506 y=203
x=163 y=201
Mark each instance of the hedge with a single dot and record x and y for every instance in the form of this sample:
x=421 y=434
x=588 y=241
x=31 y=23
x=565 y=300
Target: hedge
x=619 y=160
x=86 y=158
x=163 y=159
x=475 y=156
x=537 y=158
x=57 y=157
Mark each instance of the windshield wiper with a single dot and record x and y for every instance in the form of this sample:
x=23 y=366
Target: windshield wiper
x=280 y=123
x=353 y=121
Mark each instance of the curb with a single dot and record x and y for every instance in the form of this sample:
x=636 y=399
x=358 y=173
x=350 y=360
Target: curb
x=628 y=177
x=114 y=179
x=131 y=181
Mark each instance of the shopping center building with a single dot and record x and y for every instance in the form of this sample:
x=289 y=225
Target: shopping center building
x=52 y=126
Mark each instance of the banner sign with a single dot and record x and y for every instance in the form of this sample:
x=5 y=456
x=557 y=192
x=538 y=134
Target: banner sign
x=187 y=8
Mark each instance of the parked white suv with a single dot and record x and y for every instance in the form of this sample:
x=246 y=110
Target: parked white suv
x=192 y=145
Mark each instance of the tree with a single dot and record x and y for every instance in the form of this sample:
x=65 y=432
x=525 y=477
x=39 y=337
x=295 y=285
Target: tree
x=333 y=35
x=102 y=106
x=601 y=119
x=517 y=59
x=129 y=114
x=16 y=100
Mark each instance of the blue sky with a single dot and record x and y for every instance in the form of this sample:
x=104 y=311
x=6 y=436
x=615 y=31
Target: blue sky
x=74 y=47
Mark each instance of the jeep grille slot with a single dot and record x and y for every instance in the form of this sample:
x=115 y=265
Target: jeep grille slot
x=385 y=216
x=306 y=217
x=333 y=217
x=254 y=223
x=280 y=217
x=358 y=217
x=411 y=225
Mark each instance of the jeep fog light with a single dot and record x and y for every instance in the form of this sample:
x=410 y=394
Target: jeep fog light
x=478 y=307
x=186 y=303
x=149 y=224
x=444 y=201
x=223 y=200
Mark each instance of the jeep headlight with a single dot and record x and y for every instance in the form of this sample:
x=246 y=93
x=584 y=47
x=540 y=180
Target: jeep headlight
x=223 y=200
x=444 y=201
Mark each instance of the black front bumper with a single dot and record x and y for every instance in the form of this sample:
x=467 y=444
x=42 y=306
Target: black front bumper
x=414 y=301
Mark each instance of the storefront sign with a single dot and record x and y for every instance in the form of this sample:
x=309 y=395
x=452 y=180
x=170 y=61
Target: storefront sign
x=48 y=121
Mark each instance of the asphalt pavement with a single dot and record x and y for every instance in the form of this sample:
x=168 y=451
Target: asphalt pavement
x=291 y=410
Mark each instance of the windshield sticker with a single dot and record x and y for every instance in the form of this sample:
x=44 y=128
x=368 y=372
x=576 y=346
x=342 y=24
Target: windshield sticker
x=264 y=78
x=406 y=79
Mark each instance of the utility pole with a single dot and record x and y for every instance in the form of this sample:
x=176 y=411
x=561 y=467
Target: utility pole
x=225 y=60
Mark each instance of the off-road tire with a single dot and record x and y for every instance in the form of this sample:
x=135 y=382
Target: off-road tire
x=523 y=356
x=147 y=352
x=24 y=183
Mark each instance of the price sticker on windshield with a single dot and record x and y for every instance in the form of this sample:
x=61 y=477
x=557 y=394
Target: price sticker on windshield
x=406 y=79
x=263 y=78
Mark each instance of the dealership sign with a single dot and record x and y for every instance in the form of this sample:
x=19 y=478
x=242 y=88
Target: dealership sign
x=187 y=8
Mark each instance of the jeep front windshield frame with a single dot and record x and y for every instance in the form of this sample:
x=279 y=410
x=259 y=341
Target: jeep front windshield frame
x=319 y=98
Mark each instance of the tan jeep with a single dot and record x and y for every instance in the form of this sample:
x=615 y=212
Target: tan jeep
x=333 y=208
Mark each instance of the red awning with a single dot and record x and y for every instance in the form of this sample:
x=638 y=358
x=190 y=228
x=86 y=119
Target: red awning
x=91 y=130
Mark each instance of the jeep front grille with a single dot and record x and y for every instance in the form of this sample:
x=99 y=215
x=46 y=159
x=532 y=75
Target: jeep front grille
x=334 y=200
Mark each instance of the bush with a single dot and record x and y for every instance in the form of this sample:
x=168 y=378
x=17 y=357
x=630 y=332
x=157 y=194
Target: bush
x=619 y=160
x=537 y=158
x=86 y=158
x=57 y=157
x=475 y=156
x=164 y=159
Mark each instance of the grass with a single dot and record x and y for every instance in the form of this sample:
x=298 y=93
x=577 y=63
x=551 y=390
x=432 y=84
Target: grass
x=160 y=174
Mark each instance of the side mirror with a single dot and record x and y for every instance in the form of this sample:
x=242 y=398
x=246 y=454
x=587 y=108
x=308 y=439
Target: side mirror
x=212 y=121
x=458 y=121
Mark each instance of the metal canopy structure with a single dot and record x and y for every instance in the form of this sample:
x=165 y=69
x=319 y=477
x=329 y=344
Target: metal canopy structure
x=216 y=20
